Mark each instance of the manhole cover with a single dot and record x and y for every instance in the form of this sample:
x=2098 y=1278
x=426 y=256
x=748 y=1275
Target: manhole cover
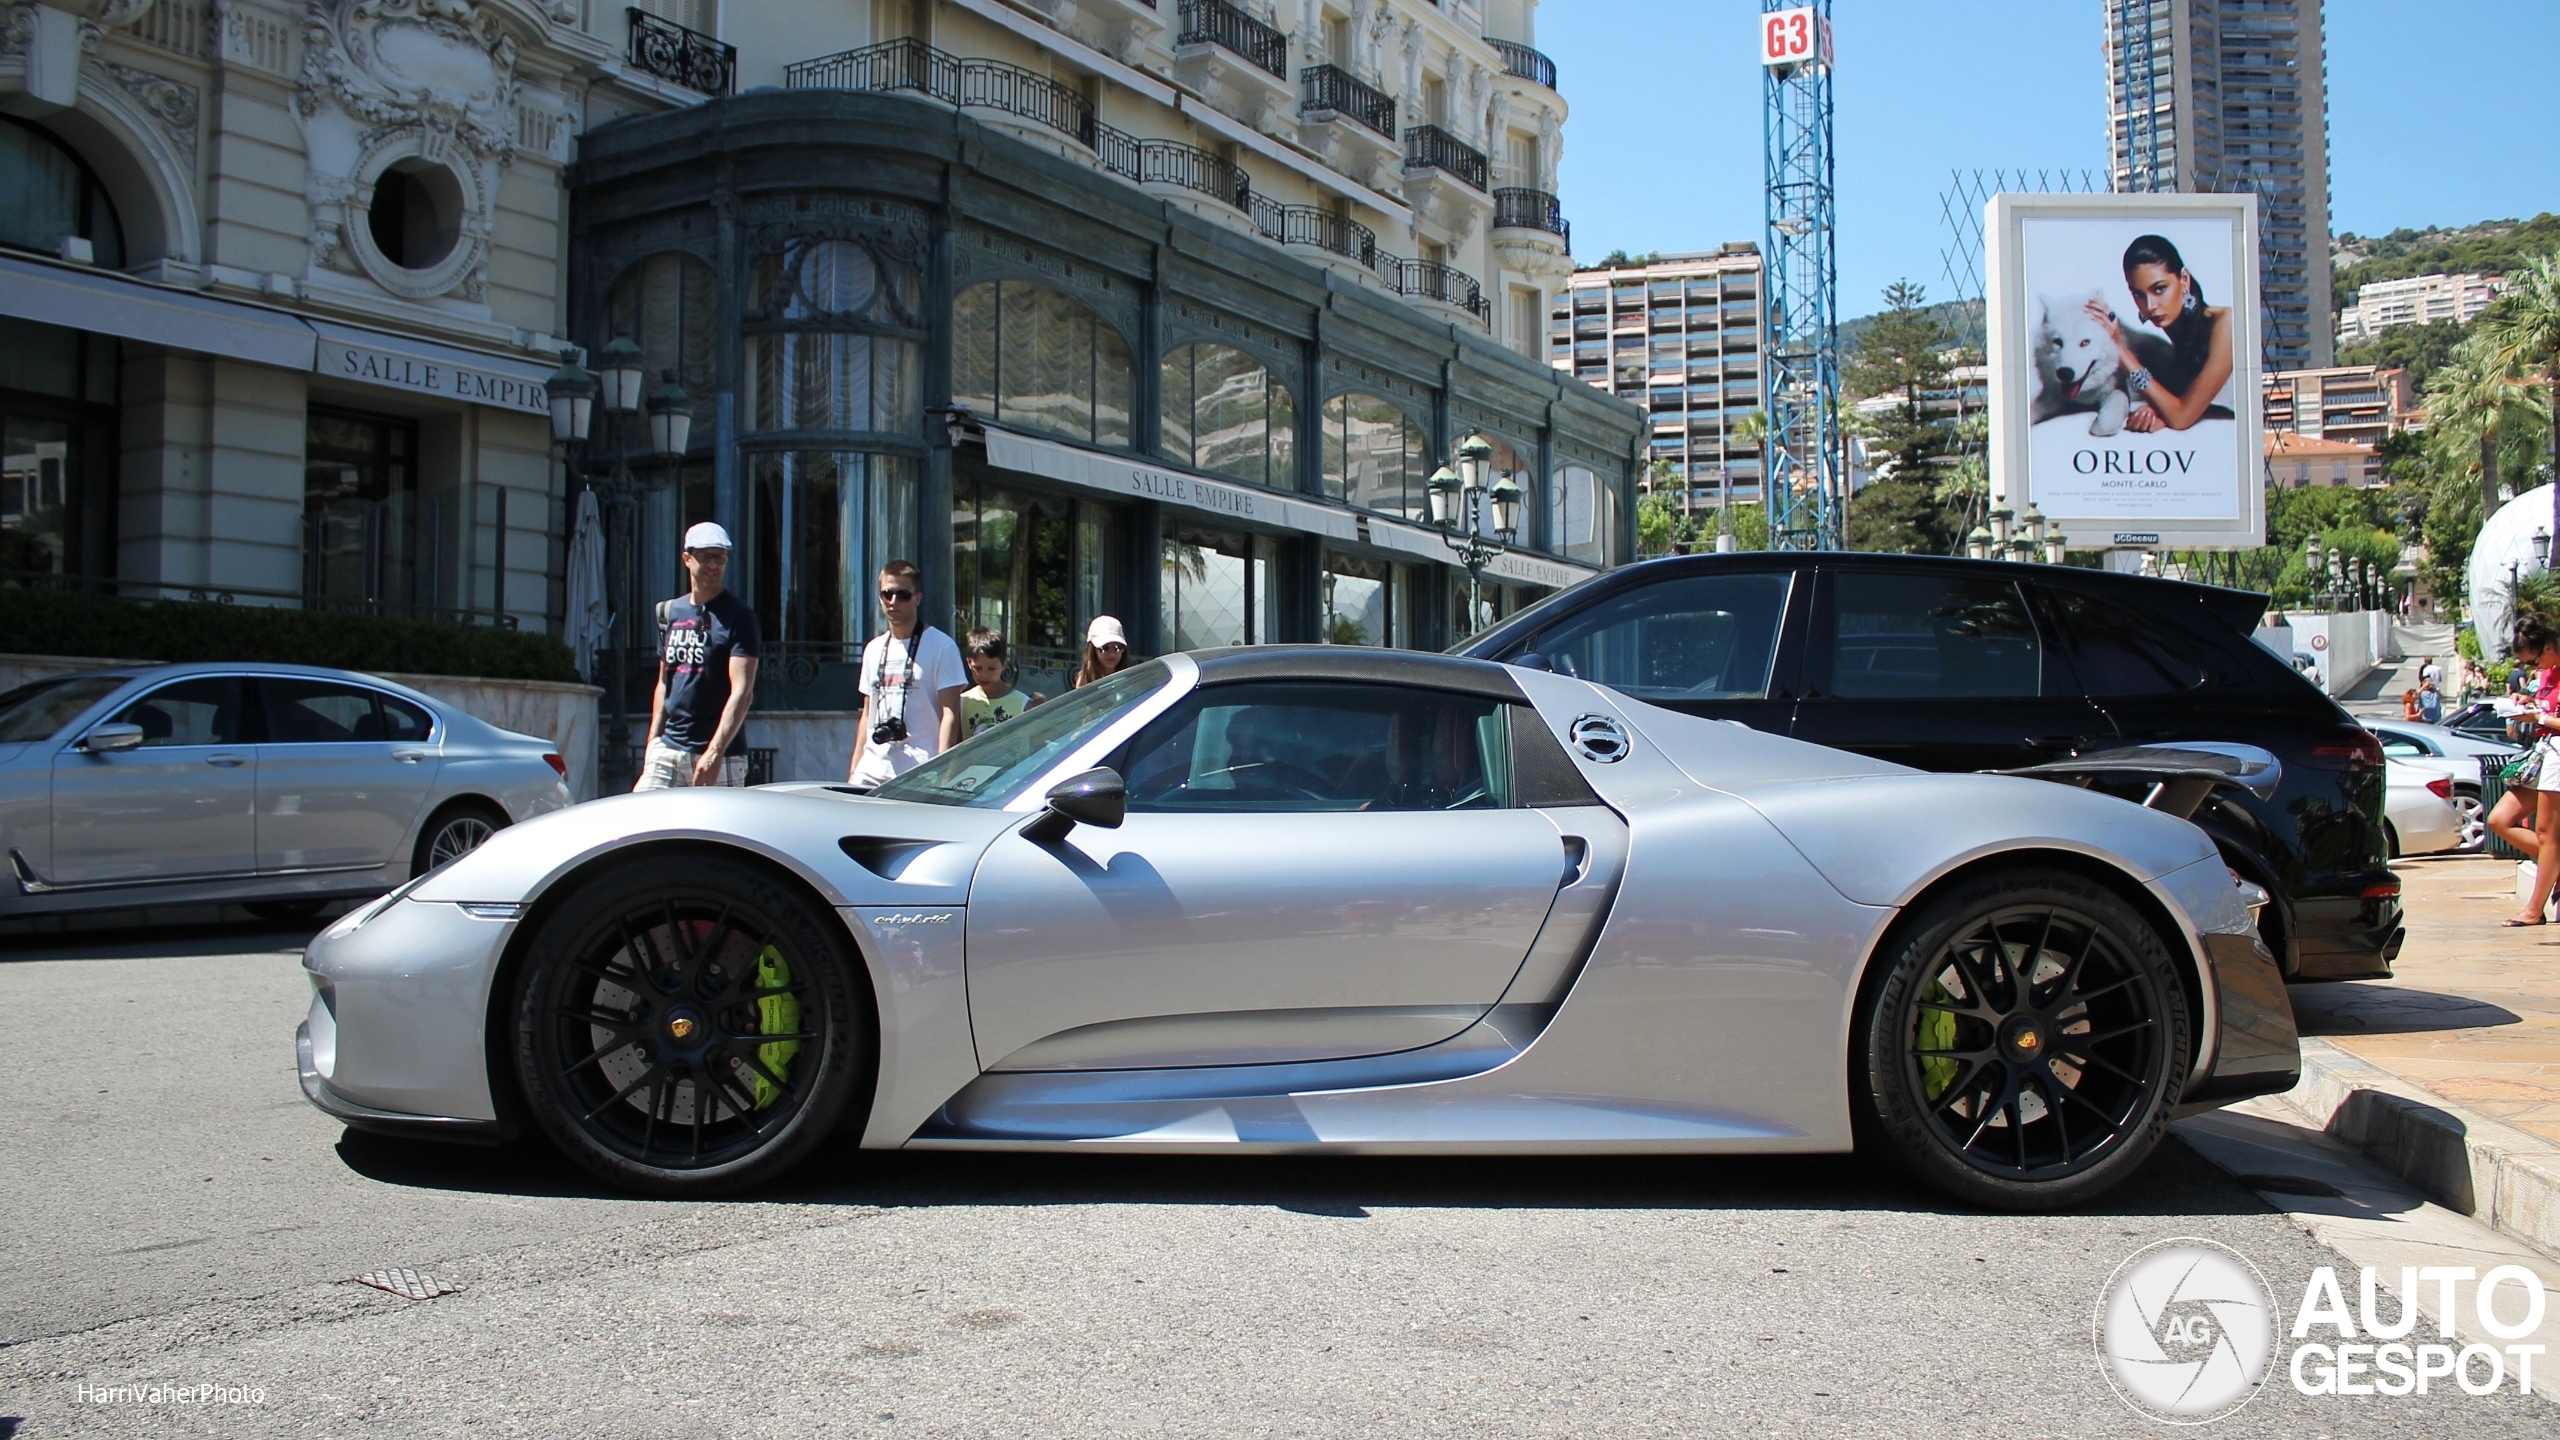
x=409 y=1283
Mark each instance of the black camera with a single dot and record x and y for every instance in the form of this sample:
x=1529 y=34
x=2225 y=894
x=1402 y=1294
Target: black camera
x=889 y=731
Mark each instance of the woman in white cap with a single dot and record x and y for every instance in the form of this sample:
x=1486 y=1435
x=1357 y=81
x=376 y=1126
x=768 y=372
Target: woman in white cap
x=1106 y=649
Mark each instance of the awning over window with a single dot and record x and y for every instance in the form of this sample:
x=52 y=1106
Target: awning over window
x=106 y=304
x=1135 y=479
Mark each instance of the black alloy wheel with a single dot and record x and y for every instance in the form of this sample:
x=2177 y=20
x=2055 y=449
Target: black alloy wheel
x=689 y=1024
x=2026 y=1044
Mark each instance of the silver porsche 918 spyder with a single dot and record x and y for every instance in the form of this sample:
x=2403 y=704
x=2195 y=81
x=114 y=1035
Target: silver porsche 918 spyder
x=1293 y=900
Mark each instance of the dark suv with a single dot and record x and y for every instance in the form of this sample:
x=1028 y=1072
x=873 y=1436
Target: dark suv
x=1949 y=664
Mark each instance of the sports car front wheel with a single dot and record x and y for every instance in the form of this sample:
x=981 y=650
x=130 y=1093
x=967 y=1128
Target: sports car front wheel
x=2024 y=1044
x=689 y=1024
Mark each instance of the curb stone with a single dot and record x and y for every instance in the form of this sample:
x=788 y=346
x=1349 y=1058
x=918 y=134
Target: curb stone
x=2495 y=1173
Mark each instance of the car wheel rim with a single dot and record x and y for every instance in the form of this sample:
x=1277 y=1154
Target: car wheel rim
x=458 y=838
x=2034 y=1043
x=673 y=1034
x=2475 y=821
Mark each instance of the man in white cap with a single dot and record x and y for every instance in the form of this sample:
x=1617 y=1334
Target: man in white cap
x=706 y=670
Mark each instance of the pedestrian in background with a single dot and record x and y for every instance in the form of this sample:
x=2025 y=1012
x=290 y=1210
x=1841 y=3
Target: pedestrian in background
x=2430 y=702
x=1106 y=649
x=993 y=700
x=709 y=648
x=2409 y=705
x=911 y=683
x=2537 y=776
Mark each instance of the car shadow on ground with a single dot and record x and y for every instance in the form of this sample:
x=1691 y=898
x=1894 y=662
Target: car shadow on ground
x=2356 y=1008
x=179 y=931
x=2175 y=1182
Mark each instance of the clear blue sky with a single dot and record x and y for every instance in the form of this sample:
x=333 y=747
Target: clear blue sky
x=2431 y=117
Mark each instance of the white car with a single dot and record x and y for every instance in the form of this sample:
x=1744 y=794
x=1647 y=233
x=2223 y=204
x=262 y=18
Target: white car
x=2419 y=814
x=2461 y=754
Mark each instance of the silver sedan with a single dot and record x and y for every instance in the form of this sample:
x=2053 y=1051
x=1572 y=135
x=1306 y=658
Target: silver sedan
x=281 y=787
x=1286 y=900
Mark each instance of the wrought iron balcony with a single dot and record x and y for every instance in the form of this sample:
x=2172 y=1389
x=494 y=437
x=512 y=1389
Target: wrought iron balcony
x=1170 y=162
x=911 y=64
x=1330 y=87
x=1325 y=230
x=689 y=58
x=1531 y=210
x=1434 y=281
x=1524 y=63
x=1428 y=147
x=1215 y=22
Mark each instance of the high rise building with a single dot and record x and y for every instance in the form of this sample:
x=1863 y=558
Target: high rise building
x=2225 y=97
x=1680 y=336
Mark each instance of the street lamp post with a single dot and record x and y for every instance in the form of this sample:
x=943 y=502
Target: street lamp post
x=667 y=431
x=1461 y=502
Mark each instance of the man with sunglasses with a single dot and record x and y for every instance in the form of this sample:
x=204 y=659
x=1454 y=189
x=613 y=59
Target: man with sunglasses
x=912 y=677
x=708 y=651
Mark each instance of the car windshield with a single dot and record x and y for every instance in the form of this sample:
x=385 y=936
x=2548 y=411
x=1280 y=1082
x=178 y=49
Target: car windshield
x=989 y=769
x=35 y=710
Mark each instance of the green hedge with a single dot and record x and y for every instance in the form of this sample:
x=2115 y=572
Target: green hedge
x=55 y=622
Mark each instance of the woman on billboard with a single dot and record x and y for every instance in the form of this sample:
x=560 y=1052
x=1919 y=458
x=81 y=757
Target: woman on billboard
x=2172 y=388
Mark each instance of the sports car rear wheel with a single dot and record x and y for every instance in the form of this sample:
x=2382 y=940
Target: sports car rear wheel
x=2026 y=1044
x=689 y=1024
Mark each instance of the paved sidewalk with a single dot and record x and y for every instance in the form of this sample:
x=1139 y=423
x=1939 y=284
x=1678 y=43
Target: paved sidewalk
x=2448 y=1074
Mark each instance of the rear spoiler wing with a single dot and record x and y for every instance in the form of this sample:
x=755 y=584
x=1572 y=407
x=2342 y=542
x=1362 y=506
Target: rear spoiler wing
x=2181 y=777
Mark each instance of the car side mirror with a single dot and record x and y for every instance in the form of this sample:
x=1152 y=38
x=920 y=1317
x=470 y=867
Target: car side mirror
x=1098 y=797
x=108 y=738
x=1530 y=660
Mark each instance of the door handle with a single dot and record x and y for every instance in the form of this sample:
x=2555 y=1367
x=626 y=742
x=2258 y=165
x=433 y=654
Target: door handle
x=409 y=757
x=2072 y=743
x=227 y=762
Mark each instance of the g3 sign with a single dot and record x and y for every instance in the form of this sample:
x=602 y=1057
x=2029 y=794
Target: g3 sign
x=1792 y=37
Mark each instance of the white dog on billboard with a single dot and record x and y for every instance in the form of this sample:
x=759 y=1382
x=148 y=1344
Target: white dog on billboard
x=2079 y=367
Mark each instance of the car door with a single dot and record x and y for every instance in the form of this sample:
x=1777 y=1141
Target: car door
x=1938 y=669
x=182 y=805
x=1707 y=644
x=336 y=789
x=1307 y=871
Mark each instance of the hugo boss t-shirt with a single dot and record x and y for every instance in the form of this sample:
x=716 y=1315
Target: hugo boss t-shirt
x=701 y=640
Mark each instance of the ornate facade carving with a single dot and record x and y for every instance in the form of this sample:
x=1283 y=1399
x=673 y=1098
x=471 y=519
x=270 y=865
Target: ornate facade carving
x=429 y=82
x=174 y=105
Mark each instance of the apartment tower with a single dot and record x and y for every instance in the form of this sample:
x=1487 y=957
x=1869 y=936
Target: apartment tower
x=1679 y=335
x=2228 y=96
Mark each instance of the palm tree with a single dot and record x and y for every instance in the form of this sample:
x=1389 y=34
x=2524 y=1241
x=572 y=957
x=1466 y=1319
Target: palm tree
x=2524 y=329
x=2479 y=392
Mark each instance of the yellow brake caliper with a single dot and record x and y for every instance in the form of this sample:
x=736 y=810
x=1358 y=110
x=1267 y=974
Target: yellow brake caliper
x=1937 y=1032
x=777 y=1015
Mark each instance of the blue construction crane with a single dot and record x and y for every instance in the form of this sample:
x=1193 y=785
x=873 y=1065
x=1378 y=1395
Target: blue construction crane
x=1805 y=478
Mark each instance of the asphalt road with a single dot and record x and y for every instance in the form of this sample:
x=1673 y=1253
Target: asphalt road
x=172 y=1212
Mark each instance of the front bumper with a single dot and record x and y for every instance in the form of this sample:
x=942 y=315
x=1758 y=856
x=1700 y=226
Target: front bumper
x=382 y=1122
x=397 y=1035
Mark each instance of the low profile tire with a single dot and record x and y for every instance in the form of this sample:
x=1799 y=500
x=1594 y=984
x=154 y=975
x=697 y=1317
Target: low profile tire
x=690 y=1024
x=453 y=832
x=2024 y=1044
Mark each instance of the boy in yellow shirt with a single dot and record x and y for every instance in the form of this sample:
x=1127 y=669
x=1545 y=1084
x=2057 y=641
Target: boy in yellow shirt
x=991 y=701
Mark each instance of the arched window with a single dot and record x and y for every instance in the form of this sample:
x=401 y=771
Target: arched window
x=1581 y=515
x=1375 y=456
x=833 y=349
x=1224 y=413
x=1023 y=354
x=46 y=193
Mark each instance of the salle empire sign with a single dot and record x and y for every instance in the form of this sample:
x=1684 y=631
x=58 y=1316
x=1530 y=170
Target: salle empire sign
x=423 y=376
x=1183 y=490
